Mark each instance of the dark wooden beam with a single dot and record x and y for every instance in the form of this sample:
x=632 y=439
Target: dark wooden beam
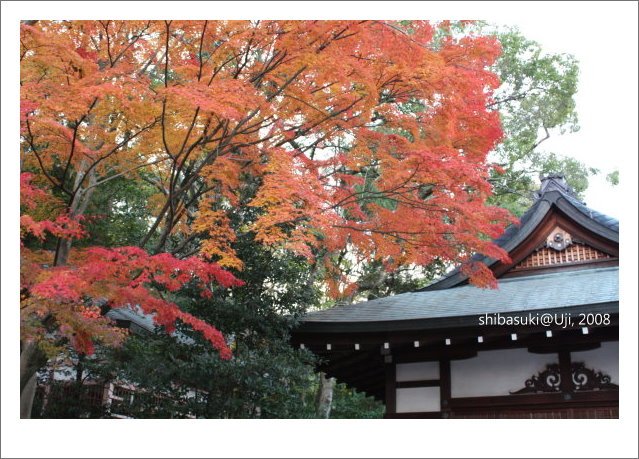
x=417 y=383
x=353 y=359
x=569 y=340
x=364 y=375
x=390 y=400
x=444 y=385
x=565 y=372
x=604 y=397
x=437 y=330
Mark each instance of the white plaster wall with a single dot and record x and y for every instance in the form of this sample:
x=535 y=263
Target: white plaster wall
x=417 y=399
x=496 y=372
x=417 y=371
x=604 y=358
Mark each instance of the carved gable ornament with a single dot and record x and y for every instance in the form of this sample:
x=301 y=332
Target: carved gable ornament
x=558 y=239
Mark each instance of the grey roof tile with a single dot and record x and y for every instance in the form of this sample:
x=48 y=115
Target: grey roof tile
x=531 y=293
x=144 y=321
x=605 y=220
x=137 y=317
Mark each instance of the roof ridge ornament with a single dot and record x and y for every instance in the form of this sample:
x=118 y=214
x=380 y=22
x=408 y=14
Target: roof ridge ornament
x=554 y=182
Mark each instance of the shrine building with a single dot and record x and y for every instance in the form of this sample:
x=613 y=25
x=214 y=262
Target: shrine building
x=545 y=344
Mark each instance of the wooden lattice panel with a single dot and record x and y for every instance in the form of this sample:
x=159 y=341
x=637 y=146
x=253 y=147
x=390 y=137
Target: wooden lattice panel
x=548 y=257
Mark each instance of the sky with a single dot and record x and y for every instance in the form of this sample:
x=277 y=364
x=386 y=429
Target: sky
x=604 y=106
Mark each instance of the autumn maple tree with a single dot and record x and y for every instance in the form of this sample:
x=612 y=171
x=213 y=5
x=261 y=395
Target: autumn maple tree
x=360 y=140
x=66 y=302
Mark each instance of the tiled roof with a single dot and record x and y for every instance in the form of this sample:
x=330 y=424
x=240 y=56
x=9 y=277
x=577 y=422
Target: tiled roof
x=557 y=182
x=144 y=321
x=552 y=193
x=137 y=318
x=562 y=289
x=605 y=220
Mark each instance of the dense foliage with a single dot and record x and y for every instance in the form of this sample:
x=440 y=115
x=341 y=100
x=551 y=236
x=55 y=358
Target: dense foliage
x=178 y=376
x=535 y=100
x=225 y=176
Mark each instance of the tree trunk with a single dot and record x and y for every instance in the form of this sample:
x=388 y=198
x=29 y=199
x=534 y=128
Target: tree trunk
x=325 y=396
x=77 y=207
x=62 y=252
x=27 y=395
x=31 y=360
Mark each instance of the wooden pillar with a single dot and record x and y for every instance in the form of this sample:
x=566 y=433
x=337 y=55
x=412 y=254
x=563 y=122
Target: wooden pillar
x=565 y=371
x=391 y=385
x=444 y=387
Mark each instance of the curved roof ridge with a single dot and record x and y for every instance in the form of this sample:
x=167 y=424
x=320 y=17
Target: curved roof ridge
x=551 y=194
x=603 y=219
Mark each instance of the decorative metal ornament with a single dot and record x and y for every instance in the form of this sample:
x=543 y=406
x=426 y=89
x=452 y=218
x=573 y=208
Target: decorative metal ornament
x=548 y=380
x=558 y=239
x=583 y=379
